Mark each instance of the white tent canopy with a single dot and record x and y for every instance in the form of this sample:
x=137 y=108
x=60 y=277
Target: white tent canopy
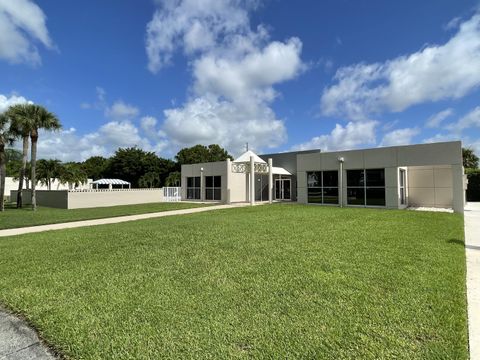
x=110 y=182
x=279 y=171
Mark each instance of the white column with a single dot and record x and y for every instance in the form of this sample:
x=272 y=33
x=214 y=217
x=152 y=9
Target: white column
x=227 y=182
x=270 y=180
x=252 y=181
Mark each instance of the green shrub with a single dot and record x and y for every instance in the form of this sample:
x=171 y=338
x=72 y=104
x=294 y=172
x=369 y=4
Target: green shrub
x=473 y=189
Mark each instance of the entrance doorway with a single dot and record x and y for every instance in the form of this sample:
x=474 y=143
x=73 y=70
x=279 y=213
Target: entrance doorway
x=283 y=189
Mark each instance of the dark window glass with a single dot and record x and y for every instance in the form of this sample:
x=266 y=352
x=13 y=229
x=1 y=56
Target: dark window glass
x=209 y=194
x=190 y=182
x=189 y=193
x=217 y=194
x=375 y=177
x=314 y=179
x=356 y=196
x=197 y=181
x=217 y=181
x=315 y=195
x=376 y=196
x=208 y=181
x=330 y=195
x=355 y=178
x=330 y=178
x=196 y=193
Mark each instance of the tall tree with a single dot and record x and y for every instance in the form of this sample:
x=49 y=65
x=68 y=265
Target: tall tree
x=6 y=137
x=33 y=118
x=201 y=153
x=72 y=174
x=173 y=179
x=470 y=160
x=95 y=167
x=21 y=126
x=48 y=170
x=131 y=164
x=14 y=161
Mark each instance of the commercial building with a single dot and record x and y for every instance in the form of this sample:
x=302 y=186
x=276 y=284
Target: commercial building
x=423 y=175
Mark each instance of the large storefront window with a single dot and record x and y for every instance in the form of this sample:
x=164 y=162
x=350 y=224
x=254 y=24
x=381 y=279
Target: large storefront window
x=193 y=188
x=322 y=187
x=366 y=187
x=213 y=188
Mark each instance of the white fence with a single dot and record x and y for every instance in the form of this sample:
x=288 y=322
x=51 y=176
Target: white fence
x=171 y=194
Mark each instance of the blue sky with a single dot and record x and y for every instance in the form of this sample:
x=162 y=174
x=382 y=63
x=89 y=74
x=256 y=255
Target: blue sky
x=280 y=75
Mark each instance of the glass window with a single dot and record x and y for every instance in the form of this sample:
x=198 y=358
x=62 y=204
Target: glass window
x=375 y=177
x=322 y=187
x=356 y=196
x=375 y=196
x=213 y=187
x=314 y=179
x=315 y=195
x=330 y=178
x=330 y=195
x=366 y=187
x=193 y=187
x=355 y=178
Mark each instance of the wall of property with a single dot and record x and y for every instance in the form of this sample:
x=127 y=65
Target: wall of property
x=49 y=198
x=102 y=198
x=436 y=155
x=65 y=199
x=430 y=186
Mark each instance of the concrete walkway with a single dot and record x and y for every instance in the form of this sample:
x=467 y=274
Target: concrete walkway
x=19 y=341
x=114 y=220
x=472 y=251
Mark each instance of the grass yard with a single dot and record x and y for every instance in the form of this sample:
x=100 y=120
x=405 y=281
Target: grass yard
x=265 y=282
x=16 y=218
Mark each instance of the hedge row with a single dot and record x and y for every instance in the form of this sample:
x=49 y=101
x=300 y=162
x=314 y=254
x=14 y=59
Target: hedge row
x=473 y=189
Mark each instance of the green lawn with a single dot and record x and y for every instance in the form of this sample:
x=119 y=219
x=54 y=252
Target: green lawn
x=265 y=282
x=15 y=218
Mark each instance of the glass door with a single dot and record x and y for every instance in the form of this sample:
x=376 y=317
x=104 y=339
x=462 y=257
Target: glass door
x=283 y=189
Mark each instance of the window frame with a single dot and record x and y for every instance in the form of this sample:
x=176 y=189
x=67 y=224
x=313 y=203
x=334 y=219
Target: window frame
x=322 y=188
x=365 y=187
x=195 y=190
x=214 y=188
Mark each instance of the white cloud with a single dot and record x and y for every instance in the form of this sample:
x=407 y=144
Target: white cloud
x=6 y=102
x=193 y=25
x=208 y=121
x=472 y=119
x=234 y=72
x=400 y=137
x=22 y=24
x=435 y=120
x=453 y=24
x=68 y=145
x=351 y=136
x=436 y=72
x=121 y=111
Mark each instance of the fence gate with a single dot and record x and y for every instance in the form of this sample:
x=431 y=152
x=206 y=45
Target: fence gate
x=171 y=194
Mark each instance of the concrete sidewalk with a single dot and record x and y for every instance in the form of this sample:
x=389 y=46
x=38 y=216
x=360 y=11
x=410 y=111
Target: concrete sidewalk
x=19 y=341
x=114 y=220
x=472 y=251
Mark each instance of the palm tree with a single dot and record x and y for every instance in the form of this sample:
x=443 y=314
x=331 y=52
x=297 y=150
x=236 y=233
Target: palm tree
x=21 y=125
x=33 y=118
x=48 y=169
x=6 y=137
x=73 y=175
